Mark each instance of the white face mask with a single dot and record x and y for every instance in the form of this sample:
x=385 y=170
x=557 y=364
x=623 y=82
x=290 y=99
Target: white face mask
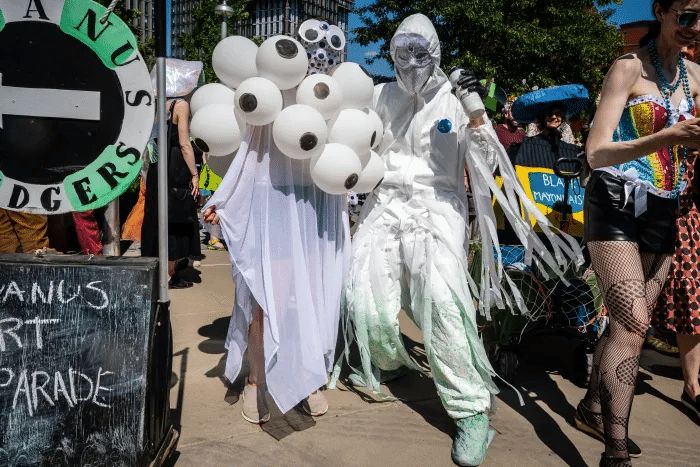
x=412 y=61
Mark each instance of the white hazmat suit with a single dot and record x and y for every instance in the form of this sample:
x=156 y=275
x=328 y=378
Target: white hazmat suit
x=410 y=246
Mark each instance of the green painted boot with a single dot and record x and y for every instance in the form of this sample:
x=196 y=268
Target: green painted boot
x=471 y=441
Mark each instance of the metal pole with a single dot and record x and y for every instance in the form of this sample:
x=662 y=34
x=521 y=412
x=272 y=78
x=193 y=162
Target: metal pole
x=287 y=19
x=162 y=151
x=224 y=10
x=168 y=26
x=224 y=28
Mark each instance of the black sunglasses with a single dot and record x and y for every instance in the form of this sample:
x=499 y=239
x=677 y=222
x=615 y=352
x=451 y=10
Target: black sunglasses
x=686 y=18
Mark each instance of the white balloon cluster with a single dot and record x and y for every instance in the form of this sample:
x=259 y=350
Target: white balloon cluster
x=330 y=123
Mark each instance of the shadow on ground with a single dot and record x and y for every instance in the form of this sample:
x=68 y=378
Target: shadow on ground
x=280 y=425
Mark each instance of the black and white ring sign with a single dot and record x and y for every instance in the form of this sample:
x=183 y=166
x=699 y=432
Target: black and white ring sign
x=76 y=106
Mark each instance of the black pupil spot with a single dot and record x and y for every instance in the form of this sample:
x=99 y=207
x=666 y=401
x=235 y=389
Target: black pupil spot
x=330 y=61
x=248 y=102
x=335 y=42
x=321 y=90
x=321 y=56
x=201 y=145
x=351 y=181
x=286 y=48
x=323 y=26
x=308 y=141
x=374 y=138
x=322 y=44
x=311 y=34
x=309 y=55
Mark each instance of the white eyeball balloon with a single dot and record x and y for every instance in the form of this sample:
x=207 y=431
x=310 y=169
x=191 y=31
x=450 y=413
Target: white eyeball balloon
x=321 y=92
x=213 y=93
x=215 y=131
x=299 y=131
x=233 y=60
x=258 y=100
x=282 y=60
x=378 y=127
x=372 y=175
x=354 y=129
x=336 y=170
x=356 y=83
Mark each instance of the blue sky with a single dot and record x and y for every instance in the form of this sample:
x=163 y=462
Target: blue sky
x=629 y=11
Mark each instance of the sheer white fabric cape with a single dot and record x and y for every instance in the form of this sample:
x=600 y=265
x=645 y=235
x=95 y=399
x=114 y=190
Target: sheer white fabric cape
x=289 y=244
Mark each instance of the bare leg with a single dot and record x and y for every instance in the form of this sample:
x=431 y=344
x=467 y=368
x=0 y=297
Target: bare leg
x=689 y=348
x=256 y=352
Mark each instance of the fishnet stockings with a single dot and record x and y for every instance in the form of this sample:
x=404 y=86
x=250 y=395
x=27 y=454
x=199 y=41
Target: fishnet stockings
x=631 y=282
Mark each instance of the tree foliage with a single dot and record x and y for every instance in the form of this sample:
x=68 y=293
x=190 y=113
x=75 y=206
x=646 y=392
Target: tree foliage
x=518 y=43
x=206 y=32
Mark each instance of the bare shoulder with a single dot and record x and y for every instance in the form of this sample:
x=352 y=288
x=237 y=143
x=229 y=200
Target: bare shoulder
x=628 y=65
x=181 y=105
x=181 y=111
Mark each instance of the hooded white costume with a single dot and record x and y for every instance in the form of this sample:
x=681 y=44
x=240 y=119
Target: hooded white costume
x=409 y=247
x=409 y=250
x=289 y=244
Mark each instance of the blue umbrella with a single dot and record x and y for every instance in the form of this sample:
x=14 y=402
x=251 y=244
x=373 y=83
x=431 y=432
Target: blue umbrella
x=572 y=97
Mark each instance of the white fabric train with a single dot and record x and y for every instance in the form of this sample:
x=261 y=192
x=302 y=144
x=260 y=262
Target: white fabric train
x=289 y=245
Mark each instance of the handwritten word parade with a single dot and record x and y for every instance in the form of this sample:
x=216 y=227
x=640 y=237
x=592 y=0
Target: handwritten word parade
x=40 y=387
x=29 y=385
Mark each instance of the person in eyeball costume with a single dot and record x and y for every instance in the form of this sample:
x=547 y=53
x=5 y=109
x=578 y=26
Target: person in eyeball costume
x=289 y=245
x=410 y=246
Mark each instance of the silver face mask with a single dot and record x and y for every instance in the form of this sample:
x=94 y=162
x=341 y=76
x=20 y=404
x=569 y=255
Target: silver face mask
x=412 y=61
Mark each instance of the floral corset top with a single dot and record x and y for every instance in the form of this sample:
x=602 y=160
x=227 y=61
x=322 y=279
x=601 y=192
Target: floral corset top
x=645 y=115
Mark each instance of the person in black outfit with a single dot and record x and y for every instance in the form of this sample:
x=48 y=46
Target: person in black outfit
x=183 y=191
x=544 y=149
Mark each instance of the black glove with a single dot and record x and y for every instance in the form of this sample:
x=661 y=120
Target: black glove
x=468 y=80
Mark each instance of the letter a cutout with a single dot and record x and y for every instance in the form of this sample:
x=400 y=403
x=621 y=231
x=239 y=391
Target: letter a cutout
x=39 y=9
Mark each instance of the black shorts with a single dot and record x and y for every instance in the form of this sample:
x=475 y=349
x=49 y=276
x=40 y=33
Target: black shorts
x=608 y=218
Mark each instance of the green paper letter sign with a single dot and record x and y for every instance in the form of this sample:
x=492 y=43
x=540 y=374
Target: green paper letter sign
x=76 y=106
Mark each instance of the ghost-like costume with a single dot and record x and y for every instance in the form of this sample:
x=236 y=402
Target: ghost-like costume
x=289 y=244
x=410 y=246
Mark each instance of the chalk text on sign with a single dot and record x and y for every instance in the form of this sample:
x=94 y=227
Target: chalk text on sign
x=54 y=292
x=36 y=388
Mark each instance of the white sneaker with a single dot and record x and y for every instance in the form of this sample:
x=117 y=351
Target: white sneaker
x=316 y=404
x=254 y=407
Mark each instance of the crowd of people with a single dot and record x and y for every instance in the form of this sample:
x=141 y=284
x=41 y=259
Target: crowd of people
x=298 y=274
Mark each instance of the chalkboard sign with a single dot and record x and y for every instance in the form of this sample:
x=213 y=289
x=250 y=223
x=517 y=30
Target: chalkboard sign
x=75 y=339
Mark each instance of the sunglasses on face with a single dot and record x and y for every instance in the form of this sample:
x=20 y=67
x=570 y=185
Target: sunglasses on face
x=686 y=18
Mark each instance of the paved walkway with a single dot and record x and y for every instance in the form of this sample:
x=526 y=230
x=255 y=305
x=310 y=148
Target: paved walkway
x=360 y=430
